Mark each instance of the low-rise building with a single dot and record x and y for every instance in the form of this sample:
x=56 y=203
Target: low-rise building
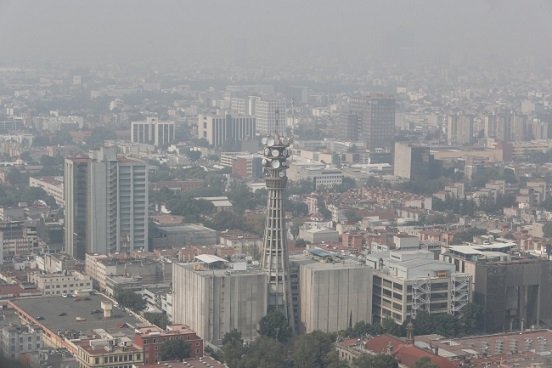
x=64 y=283
x=318 y=234
x=16 y=340
x=151 y=338
x=52 y=185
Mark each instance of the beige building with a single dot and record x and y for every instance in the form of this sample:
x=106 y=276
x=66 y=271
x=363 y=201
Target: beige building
x=332 y=295
x=409 y=281
x=222 y=129
x=101 y=267
x=106 y=353
x=65 y=283
x=52 y=185
x=214 y=298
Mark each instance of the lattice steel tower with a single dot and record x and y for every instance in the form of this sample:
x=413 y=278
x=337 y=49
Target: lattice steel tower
x=275 y=258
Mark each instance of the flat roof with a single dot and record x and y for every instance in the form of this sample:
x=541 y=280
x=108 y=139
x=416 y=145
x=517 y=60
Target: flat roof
x=50 y=308
x=180 y=228
x=209 y=258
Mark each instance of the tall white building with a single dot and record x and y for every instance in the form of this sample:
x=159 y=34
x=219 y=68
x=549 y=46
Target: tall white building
x=118 y=210
x=271 y=116
x=153 y=131
x=106 y=204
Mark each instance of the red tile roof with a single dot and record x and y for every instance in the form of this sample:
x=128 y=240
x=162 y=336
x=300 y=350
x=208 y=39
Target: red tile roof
x=406 y=354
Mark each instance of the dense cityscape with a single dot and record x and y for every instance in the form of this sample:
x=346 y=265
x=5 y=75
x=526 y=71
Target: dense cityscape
x=366 y=214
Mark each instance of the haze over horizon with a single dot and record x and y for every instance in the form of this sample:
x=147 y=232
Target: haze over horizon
x=260 y=32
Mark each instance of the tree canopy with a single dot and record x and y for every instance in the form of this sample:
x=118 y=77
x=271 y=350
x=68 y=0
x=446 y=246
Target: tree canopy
x=129 y=299
x=275 y=326
x=174 y=350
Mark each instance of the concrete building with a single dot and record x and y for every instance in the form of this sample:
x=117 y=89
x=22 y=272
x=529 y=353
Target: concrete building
x=318 y=234
x=514 y=294
x=377 y=119
x=75 y=187
x=271 y=116
x=17 y=238
x=118 y=209
x=411 y=280
x=214 y=299
x=348 y=127
x=220 y=130
x=460 y=129
x=100 y=339
x=412 y=162
x=106 y=204
x=153 y=131
x=182 y=235
x=17 y=340
x=54 y=263
x=52 y=185
x=146 y=271
x=65 y=283
x=318 y=174
x=331 y=294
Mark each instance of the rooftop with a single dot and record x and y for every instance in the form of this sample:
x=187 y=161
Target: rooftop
x=203 y=362
x=59 y=314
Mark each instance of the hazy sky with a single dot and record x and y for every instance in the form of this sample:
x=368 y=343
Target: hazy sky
x=252 y=32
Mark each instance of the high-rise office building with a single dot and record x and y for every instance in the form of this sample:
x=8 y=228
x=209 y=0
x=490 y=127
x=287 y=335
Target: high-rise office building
x=376 y=115
x=220 y=130
x=274 y=255
x=411 y=162
x=271 y=116
x=348 y=127
x=153 y=131
x=460 y=129
x=75 y=188
x=107 y=204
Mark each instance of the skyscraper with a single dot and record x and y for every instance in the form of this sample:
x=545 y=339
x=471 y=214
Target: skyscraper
x=271 y=116
x=376 y=119
x=107 y=208
x=460 y=129
x=76 y=205
x=274 y=256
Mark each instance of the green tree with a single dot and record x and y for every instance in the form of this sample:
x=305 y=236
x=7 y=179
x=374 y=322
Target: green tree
x=232 y=348
x=333 y=361
x=131 y=300
x=275 y=325
x=311 y=350
x=375 y=361
x=193 y=155
x=264 y=353
x=174 y=350
x=471 y=320
x=425 y=362
x=158 y=319
x=390 y=327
